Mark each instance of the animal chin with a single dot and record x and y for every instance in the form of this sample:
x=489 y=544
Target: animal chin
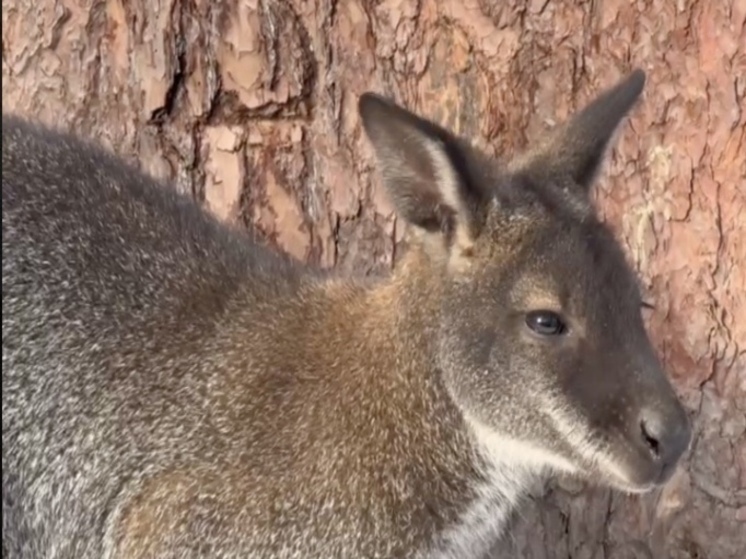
x=629 y=479
x=626 y=486
x=600 y=467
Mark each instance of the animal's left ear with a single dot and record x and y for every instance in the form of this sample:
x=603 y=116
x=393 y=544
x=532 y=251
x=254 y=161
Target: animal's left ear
x=576 y=148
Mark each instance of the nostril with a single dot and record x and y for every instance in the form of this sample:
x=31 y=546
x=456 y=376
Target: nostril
x=649 y=438
x=664 y=436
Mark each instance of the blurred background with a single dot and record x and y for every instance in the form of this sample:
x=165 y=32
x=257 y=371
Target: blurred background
x=250 y=105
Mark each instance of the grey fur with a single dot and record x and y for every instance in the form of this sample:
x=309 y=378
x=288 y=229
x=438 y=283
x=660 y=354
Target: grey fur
x=173 y=389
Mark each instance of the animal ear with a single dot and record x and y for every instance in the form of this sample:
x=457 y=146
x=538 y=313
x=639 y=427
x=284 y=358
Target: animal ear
x=425 y=170
x=576 y=148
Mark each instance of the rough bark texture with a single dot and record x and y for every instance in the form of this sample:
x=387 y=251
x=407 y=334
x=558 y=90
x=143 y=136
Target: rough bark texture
x=251 y=106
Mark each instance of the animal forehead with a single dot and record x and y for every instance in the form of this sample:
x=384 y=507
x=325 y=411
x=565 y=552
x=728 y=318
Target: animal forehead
x=536 y=196
x=566 y=260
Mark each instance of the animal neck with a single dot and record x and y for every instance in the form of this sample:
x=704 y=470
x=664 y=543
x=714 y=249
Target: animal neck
x=369 y=348
x=400 y=318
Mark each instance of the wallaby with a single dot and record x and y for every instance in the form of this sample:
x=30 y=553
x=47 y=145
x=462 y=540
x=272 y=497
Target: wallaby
x=173 y=389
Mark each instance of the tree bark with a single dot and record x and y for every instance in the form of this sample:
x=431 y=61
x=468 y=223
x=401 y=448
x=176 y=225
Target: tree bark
x=250 y=105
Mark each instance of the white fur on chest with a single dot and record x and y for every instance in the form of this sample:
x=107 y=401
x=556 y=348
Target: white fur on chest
x=481 y=524
x=512 y=467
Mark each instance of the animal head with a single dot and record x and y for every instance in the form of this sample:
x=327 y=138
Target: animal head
x=540 y=338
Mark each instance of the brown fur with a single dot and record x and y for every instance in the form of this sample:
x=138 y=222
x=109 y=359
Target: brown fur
x=172 y=389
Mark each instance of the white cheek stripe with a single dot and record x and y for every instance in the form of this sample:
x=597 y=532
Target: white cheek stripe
x=576 y=431
x=507 y=451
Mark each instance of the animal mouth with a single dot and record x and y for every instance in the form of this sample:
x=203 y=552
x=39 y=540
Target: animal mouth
x=621 y=465
x=633 y=472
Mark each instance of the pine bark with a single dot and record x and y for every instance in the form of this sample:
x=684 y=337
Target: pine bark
x=250 y=106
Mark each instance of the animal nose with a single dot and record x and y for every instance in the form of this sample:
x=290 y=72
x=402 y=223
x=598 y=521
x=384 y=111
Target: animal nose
x=666 y=437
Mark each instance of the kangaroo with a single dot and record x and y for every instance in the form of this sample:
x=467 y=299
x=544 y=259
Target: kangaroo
x=172 y=388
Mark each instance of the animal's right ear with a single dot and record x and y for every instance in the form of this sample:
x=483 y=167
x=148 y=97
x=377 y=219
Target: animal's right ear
x=425 y=171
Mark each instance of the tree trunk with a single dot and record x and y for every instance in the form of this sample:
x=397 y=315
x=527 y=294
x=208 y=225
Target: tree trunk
x=251 y=106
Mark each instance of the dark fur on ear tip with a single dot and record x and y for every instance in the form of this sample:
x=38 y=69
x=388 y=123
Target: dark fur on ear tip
x=636 y=81
x=625 y=93
x=611 y=105
x=372 y=105
x=383 y=115
x=369 y=101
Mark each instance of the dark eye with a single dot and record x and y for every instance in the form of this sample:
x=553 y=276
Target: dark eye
x=545 y=323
